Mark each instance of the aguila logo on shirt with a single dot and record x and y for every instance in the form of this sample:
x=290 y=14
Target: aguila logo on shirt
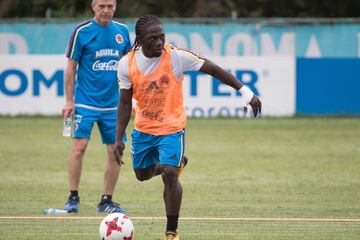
x=119 y=39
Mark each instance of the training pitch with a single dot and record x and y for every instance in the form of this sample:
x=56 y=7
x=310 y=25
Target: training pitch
x=276 y=178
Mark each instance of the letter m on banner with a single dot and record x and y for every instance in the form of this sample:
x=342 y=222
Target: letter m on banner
x=57 y=77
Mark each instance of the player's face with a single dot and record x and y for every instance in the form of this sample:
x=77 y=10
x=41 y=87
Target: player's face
x=104 y=11
x=153 y=40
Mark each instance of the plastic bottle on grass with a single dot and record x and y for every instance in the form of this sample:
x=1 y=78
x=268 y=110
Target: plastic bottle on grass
x=54 y=211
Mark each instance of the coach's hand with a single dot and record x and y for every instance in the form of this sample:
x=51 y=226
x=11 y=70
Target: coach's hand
x=118 y=152
x=68 y=110
x=255 y=105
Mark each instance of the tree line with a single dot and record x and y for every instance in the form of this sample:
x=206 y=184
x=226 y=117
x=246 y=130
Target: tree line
x=185 y=8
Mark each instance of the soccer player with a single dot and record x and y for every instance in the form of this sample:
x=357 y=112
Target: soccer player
x=94 y=50
x=152 y=74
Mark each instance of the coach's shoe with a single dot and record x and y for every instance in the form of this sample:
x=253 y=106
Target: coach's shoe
x=170 y=235
x=183 y=163
x=110 y=207
x=72 y=204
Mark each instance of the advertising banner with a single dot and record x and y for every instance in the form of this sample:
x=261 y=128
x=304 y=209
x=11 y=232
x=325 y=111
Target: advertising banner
x=270 y=78
x=34 y=84
x=328 y=86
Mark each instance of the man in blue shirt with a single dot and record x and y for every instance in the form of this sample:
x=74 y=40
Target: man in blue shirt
x=93 y=52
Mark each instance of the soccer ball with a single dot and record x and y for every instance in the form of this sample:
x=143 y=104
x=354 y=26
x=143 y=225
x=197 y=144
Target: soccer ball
x=116 y=226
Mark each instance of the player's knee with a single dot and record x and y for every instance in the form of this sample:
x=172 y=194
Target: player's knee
x=79 y=148
x=169 y=174
x=143 y=176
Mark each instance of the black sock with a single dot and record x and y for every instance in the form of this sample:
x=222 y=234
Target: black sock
x=74 y=193
x=172 y=222
x=105 y=199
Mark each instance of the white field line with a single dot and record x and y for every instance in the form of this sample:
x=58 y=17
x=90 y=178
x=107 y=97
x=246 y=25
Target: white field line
x=245 y=219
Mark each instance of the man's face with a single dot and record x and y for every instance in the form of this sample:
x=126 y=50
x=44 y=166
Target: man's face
x=153 y=40
x=104 y=11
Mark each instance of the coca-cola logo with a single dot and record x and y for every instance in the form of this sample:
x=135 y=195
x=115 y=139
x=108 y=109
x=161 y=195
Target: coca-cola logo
x=105 y=66
x=158 y=116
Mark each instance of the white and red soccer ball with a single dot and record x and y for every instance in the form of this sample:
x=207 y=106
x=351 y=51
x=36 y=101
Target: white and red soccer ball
x=116 y=226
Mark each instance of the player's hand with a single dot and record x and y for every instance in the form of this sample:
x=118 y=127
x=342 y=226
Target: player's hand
x=255 y=104
x=249 y=98
x=118 y=152
x=68 y=110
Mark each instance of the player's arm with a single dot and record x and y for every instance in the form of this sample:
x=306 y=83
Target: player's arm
x=122 y=120
x=70 y=72
x=229 y=79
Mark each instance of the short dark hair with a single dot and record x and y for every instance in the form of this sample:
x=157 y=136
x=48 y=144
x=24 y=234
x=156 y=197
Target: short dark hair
x=140 y=25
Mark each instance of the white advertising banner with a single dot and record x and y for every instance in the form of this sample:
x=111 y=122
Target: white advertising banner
x=270 y=78
x=34 y=84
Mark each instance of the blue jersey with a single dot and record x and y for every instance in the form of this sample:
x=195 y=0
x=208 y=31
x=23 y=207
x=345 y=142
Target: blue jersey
x=97 y=49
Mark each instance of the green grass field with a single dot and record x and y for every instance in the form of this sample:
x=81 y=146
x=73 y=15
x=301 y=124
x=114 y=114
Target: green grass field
x=264 y=168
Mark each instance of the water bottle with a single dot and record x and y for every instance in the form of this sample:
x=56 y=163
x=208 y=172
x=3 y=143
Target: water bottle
x=68 y=123
x=54 y=211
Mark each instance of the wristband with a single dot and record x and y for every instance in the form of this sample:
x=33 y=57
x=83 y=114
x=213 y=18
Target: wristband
x=247 y=94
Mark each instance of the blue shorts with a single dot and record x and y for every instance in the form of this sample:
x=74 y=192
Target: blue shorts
x=147 y=149
x=106 y=120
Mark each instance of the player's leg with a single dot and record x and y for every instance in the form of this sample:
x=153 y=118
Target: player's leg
x=107 y=126
x=145 y=174
x=83 y=123
x=171 y=151
x=144 y=154
x=172 y=198
x=111 y=171
x=184 y=161
x=74 y=172
x=75 y=162
x=146 y=160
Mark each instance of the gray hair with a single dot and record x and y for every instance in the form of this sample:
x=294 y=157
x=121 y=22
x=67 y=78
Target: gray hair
x=94 y=1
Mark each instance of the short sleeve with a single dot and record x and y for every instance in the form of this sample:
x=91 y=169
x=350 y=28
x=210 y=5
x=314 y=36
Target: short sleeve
x=189 y=61
x=74 y=48
x=123 y=73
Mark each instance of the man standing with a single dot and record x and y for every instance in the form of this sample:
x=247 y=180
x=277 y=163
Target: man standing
x=93 y=52
x=152 y=73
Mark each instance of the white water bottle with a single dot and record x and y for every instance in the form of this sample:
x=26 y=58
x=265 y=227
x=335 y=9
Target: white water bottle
x=67 y=130
x=54 y=211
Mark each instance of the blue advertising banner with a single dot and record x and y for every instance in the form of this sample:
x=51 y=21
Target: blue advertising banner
x=228 y=39
x=328 y=86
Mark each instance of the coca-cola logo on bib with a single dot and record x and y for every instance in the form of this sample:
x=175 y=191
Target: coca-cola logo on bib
x=105 y=66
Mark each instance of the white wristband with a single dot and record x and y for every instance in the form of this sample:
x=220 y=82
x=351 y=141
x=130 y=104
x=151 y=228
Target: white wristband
x=247 y=94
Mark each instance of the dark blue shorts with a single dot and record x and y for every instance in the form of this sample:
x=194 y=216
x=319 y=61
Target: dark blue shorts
x=147 y=149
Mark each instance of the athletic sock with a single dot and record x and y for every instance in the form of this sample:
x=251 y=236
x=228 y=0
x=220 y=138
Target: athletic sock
x=105 y=199
x=172 y=222
x=74 y=194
